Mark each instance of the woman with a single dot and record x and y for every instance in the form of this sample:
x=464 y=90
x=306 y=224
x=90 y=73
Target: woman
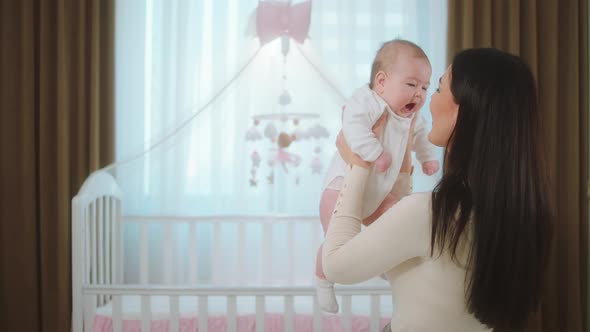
x=469 y=256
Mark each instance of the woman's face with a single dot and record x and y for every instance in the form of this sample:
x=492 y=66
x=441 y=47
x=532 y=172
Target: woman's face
x=444 y=111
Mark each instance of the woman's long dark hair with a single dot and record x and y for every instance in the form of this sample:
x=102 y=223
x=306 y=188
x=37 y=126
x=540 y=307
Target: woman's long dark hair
x=495 y=187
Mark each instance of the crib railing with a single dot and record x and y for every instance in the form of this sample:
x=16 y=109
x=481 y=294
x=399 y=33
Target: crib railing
x=202 y=295
x=267 y=224
x=98 y=267
x=96 y=240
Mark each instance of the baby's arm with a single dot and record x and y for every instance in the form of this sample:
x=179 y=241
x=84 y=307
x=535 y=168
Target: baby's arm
x=425 y=151
x=357 y=121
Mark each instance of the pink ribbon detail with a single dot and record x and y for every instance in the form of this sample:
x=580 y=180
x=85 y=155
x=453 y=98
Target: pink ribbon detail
x=275 y=19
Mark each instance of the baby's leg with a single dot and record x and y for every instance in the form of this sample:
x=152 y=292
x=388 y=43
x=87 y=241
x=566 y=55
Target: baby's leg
x=325 y=288
x=327 y=203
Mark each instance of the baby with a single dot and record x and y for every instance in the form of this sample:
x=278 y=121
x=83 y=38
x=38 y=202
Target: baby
x=400 y=77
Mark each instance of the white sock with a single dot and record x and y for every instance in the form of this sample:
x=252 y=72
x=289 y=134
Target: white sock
x=326 y=295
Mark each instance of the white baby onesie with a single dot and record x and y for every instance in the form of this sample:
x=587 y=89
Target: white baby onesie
x=361 y=112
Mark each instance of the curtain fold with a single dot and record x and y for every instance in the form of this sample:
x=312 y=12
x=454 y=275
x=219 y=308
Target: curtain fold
x=553 y=38
x=57 y=126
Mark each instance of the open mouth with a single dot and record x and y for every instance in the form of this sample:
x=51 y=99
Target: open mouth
x=409 y=107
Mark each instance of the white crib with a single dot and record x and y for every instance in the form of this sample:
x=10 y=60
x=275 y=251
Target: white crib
x=104 y=301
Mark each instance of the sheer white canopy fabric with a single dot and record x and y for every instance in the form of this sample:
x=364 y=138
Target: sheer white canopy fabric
x=190 y=76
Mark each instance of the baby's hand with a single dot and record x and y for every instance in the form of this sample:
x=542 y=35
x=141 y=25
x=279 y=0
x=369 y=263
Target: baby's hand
x=383 y=162
x=430 y=167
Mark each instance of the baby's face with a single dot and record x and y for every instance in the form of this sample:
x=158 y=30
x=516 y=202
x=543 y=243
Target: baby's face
x=405 y=87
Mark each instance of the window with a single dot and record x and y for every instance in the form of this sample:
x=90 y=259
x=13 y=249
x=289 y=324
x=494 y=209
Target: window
x=172 y=57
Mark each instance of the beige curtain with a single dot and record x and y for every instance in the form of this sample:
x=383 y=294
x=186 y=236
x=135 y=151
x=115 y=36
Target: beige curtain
x=552 y=37
x=56 y=126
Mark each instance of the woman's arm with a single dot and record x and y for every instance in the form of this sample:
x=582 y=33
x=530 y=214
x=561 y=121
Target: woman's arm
x=402 y=186
x=400 y=233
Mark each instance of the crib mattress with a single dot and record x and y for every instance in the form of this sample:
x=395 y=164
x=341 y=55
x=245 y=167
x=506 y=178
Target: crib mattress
x=246 y=318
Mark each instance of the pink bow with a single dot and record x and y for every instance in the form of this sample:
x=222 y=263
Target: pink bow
x=275 y=18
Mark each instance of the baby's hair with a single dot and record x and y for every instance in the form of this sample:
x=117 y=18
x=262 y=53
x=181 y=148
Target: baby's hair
x=387 y=55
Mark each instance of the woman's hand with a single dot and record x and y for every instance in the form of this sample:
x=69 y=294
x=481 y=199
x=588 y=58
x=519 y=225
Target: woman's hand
x=407 y=162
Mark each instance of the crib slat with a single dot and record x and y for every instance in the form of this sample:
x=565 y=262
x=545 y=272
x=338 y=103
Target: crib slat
x=168 y=250
x=317 y=316
x=115 y=243
x=100 y=257
x=232 y=314
x=78 y=259
x=118 y=246
x=346 y=313
x=289 y=325
x=216 y=252
x=242 y=252
x=146 y=313
x=93 y=243
x=143 y=255
x=375 y=313
x=108 y=243
x=174 y=314
x=267 y=253
x=203 y=312
x=87 y=257
x=192 y=254
x=117 y=314
x=260 y=313
x=89 y=306
x=291 y=253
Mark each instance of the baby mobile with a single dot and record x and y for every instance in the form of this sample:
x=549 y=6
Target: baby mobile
x=281 y=19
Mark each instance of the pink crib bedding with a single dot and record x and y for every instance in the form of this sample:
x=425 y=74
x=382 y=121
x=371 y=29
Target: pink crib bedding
x=246 y=321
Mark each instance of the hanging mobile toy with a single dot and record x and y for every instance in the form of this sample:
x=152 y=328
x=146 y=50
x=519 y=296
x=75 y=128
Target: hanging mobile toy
x=283 y=157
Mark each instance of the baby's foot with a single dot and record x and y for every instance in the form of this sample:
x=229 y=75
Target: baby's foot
x=326 y=296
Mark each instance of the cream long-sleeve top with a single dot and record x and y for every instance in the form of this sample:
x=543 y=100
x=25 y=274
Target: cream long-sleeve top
x=428 y=292
x=362 y=110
